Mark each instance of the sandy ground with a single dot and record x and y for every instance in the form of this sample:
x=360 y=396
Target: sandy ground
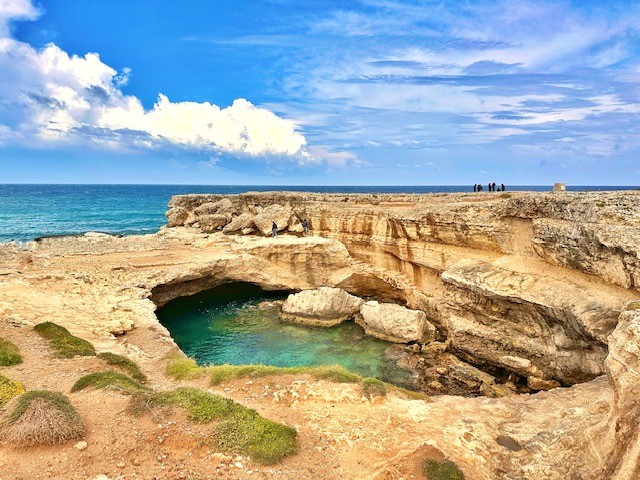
x=341 y=434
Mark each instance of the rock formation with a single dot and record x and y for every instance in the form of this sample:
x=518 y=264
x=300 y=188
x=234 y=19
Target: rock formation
x=323 y=307
x=395 y=323
x=540 y=276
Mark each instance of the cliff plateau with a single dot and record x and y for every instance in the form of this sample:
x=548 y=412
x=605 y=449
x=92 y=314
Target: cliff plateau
x=544 y=286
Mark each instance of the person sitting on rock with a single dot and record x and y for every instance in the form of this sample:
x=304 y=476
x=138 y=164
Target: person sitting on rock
x=274 y=230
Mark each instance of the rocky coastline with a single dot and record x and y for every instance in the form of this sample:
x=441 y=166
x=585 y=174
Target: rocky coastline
x=542 y=287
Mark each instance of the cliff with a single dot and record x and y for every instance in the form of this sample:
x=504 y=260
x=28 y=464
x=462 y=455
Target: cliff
x=542 y=285
x=542 y=276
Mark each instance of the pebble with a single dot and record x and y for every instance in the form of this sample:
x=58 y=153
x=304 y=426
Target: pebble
x=81 y=445
x=221 y=457
x=120 y=464
x=238 y=465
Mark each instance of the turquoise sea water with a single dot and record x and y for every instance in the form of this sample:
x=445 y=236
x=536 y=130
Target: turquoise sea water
x=30 y=211
x=225 y=325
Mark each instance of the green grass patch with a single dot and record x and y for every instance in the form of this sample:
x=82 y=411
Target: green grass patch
x=123 y=362
x=372 y=387
x=442 y=470
x=239 y=429
x=108 y=379
x=250 y=434
x=9 y=389
x=333 y=373
x=64 y=344
x=9 y=354
x=505 y=195
x=182 y=368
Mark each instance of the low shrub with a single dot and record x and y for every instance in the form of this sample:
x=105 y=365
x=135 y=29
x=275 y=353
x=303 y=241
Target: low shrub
x=9 y=389
x=182 y=368
x=9 y=354
x=123 y=362
x=372 y=387
x=108 y=379
x=239 y=429
x=442 y=470
x=248 y=433
x=203 y=407
x=42 y=417
x=223 y=373
x=334 y=373
x=64 y=344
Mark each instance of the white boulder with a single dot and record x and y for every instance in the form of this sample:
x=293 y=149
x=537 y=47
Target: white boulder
x=395 y=323
x=324 y=307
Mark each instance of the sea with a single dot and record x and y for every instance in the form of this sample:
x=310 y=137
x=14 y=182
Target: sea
x=28 y=212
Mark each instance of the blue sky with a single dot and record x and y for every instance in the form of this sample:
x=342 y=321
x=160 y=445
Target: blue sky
x=320 y=92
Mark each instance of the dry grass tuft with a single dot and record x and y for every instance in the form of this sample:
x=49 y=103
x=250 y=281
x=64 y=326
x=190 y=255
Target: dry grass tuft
x=41 y=417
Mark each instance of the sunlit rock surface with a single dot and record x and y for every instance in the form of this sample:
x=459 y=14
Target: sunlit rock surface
x=323 y=307
x=395 y=323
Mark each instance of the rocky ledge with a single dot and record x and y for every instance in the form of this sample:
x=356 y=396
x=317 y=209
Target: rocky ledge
x=544 y=286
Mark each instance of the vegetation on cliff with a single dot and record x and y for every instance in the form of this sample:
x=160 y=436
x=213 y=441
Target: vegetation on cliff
x=62 y=342
x=108 y=379
x=442 y=470
x=9 y=389
x=9 y=354
x=42 y=417
x=181 y=368
x=239 y=429
x=130 y=366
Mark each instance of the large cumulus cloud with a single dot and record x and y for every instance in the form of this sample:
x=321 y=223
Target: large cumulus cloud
x=49 y=96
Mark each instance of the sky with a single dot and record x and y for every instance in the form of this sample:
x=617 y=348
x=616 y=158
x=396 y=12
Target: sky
x=320 y=92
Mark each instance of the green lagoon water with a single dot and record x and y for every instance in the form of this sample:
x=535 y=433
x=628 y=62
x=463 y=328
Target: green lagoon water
x=225 y=325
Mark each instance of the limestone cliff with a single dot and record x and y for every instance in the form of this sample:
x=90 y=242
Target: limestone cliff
x=536 y=275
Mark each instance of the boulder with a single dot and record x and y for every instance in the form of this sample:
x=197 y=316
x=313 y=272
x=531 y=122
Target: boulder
x=211 y=223
x=273 y=213
x=220 y=207
x=242 y=221
x=395 y=323
x=323 y=307
x=294 y=225
x=176 y=216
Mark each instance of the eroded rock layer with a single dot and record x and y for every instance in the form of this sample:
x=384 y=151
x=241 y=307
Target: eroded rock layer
x=536 y=275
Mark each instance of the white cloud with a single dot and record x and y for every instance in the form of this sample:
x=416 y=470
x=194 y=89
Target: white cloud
x=15 y=10
x=52 y=96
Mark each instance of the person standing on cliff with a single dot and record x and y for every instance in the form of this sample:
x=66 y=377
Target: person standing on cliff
x=274 y=230
x=305 y=227
x=502 y=187
x=475 y=187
